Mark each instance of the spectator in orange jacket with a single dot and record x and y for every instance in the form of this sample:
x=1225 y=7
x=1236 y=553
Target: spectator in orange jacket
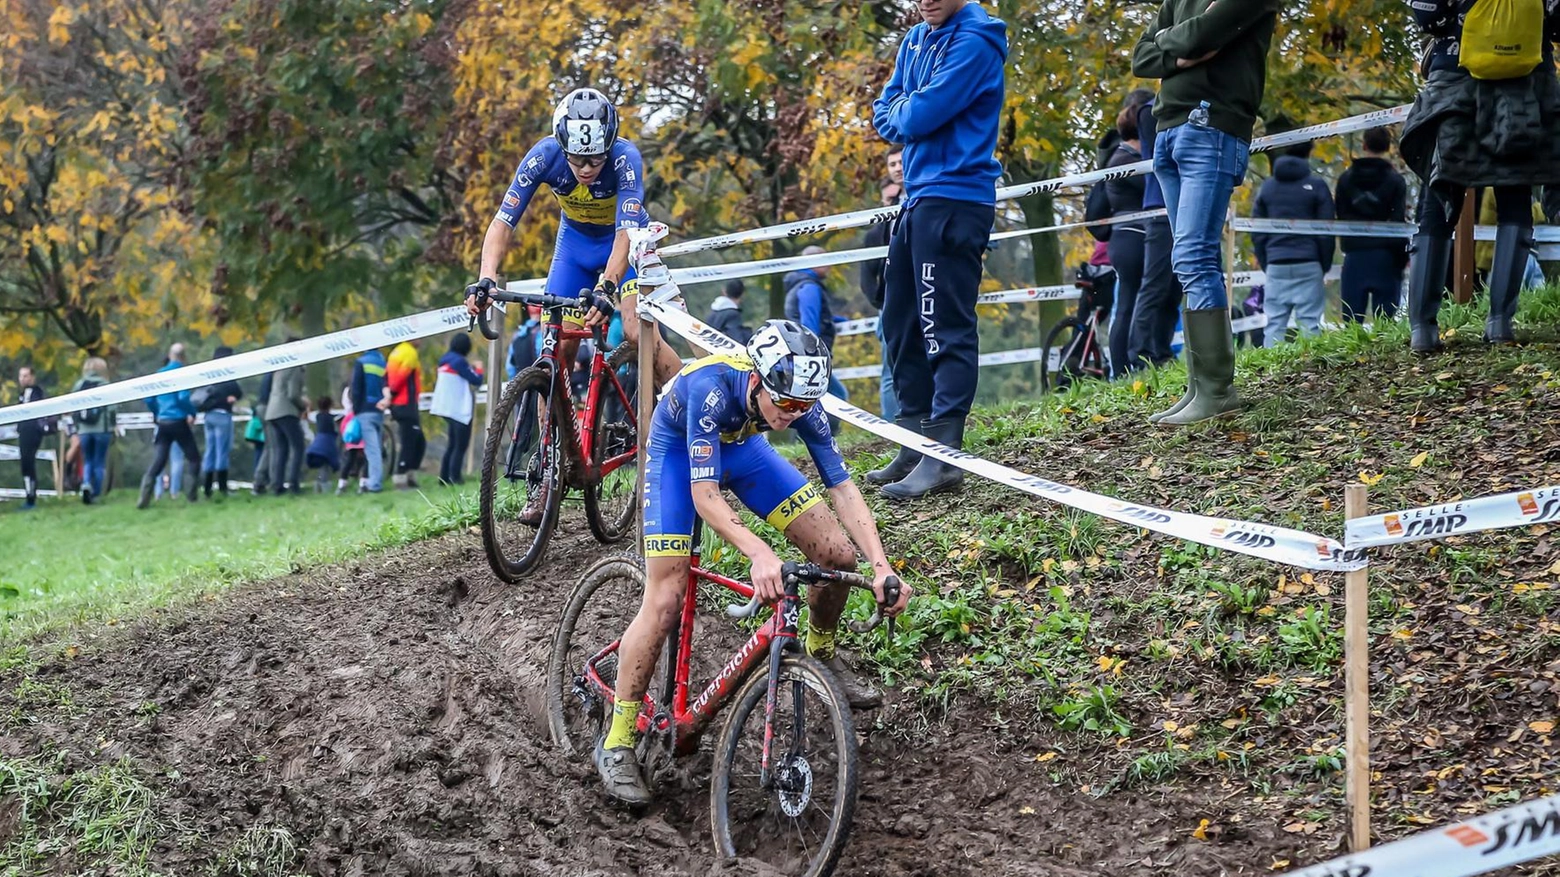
x=403 y=374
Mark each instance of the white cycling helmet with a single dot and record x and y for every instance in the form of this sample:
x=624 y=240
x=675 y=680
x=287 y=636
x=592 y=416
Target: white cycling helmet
x=792 y=361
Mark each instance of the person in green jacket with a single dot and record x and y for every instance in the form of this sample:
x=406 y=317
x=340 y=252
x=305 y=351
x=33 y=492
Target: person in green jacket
x=284 y=411
x=95 y=427
x=1211 y=59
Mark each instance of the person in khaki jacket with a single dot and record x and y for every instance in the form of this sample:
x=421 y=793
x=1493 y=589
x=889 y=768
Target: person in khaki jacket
x=284 y=412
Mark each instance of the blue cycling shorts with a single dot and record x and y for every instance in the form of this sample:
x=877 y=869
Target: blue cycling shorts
x=578 y=260
x=769 y=486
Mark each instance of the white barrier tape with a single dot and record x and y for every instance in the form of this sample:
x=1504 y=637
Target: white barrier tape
x=248 y=364
x=12 y=452
x=18 y=493
x=143 y=419
x=1277 y=544
x=1474 y=846
x=1346 y=228
x=859 y=218
x=1517 y=509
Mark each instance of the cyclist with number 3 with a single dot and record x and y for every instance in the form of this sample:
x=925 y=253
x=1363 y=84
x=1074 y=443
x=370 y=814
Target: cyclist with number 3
x=598 y=179
x=705 y=436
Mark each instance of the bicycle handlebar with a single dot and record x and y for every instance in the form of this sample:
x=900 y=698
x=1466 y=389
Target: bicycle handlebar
x=542 y=300
x=812 y=573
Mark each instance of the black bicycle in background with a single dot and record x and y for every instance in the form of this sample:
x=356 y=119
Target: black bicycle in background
x=1075 y=348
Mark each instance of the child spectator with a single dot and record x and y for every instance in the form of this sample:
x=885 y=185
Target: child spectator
x=323 y=453
x=354 y=462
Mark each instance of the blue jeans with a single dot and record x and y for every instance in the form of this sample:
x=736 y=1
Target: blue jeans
x=1198 y=169
x=372 y=424
x=888 y=400
x=1372 y=280
x=1293 y=290
x=219 y=440
x=175 y=474
x=94 y=451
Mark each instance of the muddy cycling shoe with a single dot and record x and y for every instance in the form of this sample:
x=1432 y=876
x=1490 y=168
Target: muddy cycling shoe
x=531 y=515
x=619 y=770
x=861 y=694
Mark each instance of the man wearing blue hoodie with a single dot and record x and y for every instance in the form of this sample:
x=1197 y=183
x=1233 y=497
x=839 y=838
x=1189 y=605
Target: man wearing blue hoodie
x=943 y=103
x=807 y=302
x=175 y=414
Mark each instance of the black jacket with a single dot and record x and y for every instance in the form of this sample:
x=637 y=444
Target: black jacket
x=726 y=318
x=1442 y=22
x=1126 y=196
x=40 y=425
x=1372 y=190
x=1293 y=192
x=219 y=394
x=872 y=274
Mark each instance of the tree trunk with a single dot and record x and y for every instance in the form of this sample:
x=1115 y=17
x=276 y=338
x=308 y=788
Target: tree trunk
x=317 y=378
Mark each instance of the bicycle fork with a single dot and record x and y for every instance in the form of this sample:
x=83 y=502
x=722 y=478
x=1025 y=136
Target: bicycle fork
x=784 y=639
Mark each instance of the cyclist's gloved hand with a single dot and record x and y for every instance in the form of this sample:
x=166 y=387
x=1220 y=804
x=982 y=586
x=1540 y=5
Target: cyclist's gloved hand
x=601 y=302
x=767 y=580
x=476 y=295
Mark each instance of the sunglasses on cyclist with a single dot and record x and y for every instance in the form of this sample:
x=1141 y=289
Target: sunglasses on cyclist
x=789 y=405
x=585 y=162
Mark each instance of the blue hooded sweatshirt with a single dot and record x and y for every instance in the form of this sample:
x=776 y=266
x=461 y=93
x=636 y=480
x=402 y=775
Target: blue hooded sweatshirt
x=944 y=104
x=171 y=406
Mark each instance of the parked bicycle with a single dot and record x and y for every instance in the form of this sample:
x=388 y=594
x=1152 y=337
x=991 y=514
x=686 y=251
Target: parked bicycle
x=538 y=446
x=1076 y=342
x=784 y=780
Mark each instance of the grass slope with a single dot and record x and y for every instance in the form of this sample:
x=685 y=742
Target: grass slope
x=67 y=563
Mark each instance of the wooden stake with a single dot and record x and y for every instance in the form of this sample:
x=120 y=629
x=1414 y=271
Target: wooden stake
x=1462 y=250
x=1356 y=699
x=648 y=333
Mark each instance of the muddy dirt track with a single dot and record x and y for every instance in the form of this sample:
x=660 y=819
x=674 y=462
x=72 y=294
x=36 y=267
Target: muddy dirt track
x=389 y=714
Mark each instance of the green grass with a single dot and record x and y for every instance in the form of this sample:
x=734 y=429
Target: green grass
x=67 y=563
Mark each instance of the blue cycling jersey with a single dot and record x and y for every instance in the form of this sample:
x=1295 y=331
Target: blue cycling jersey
x=615 y=200
x=707 y=406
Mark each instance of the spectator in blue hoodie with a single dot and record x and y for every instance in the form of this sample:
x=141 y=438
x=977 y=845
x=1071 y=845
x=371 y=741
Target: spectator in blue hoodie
x=370 y=399
x=943 y=103
x=1295 y=263
x=807 y=302
x=175 y=415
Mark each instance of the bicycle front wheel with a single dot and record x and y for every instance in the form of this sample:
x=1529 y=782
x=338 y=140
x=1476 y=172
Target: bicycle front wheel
x=611 y=501
x=1078 y=355
x=597 y=612
x=800 y=824
x=521 y=476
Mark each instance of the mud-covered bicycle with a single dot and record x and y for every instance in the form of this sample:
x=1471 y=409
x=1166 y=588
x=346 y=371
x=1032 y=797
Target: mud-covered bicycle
x=784 y=780
x=594 y=449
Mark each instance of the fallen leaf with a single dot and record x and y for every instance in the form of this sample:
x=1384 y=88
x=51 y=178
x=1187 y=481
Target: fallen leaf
x=1026 y=811
x=1170 y=726
x=1370 y=478
x=1045 y=756
x=1201 y=831
x=1419 y=459
x=1542 y=727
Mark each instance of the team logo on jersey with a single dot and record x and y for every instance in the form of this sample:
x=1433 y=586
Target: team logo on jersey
x=701 y=451
x=525 y=181
x=512 y=200
x=535 y=163
x=632 y=205
x=707 y=423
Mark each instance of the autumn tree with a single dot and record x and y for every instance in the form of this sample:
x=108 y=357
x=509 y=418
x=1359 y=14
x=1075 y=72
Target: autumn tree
x=91 y=252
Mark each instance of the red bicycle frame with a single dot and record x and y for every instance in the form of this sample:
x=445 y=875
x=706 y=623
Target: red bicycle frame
x=583 y=441
x=685 y=722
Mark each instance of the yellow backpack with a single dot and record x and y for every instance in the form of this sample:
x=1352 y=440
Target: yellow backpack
x=1502 y=39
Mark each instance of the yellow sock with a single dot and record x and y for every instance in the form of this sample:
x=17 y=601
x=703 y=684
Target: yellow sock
x=625 y=731
x=820 y=643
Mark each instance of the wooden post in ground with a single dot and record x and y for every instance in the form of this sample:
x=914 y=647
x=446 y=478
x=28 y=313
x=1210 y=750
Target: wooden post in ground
x=1356 y=698
x=1462 y=250
x=648 y=333
x=495 y=367
x=59 y=464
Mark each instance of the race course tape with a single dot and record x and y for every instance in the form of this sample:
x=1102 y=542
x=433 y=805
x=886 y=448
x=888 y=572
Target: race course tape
x=1516 y=509
x=1475 y=846
x=245 y=365
x=1277 y=544
x=12 y=452
x=1347 y=228
x=859 y=218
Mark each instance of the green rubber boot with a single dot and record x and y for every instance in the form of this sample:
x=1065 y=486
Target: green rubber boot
x=1191 y=387
x=1208 y=333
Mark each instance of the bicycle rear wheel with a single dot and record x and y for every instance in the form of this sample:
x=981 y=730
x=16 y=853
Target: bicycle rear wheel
x=1078 y=355
x=597 y=612
x=801 y=823
x=612 y=501
x=515 y=471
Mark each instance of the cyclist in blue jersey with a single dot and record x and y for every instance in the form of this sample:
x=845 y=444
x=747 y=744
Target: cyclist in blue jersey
x=705 y=436
x=598 y=180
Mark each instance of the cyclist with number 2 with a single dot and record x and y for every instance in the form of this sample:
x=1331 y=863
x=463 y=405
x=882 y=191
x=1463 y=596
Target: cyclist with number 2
x=705 y=436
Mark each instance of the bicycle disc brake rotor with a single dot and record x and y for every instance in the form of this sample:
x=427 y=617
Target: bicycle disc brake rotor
x=793 y=785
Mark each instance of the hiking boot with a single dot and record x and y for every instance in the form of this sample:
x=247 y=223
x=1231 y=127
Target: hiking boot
x=1426 y=286
x=904 y=462
x=619 y=770
x=1512 y=245
x=932 y=475
x=1213 y=394
x=860 y=693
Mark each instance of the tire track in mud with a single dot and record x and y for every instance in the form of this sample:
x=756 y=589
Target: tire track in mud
x=390 y=714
